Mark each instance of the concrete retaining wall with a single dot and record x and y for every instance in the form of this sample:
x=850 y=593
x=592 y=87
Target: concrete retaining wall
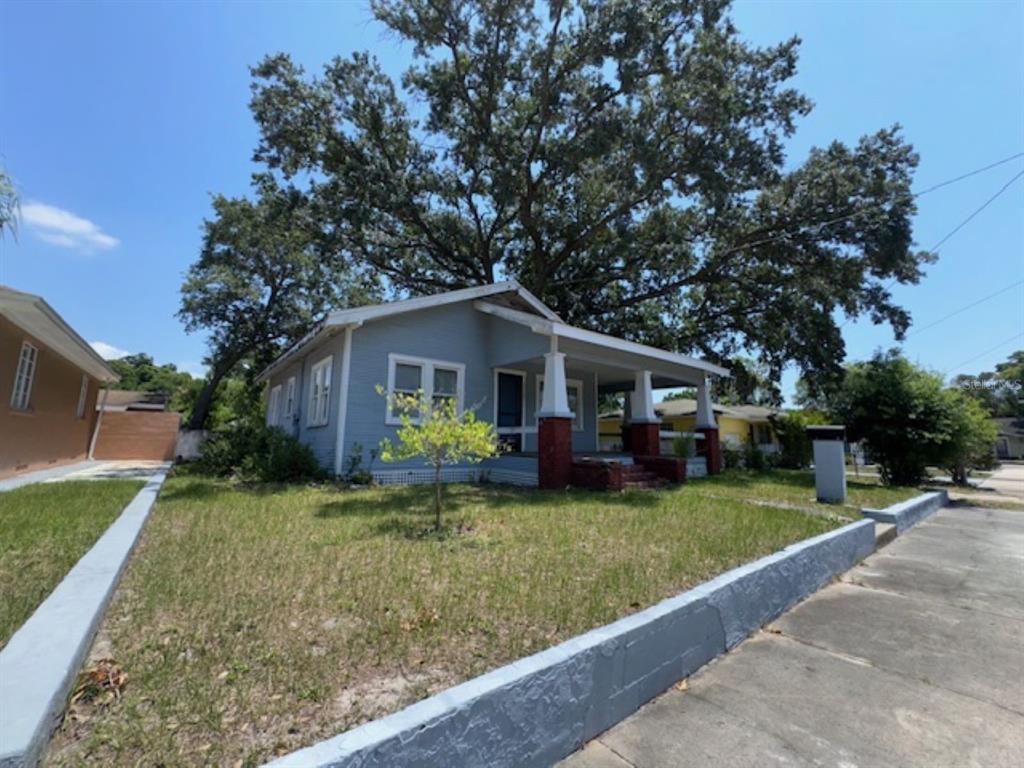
x=909 y=513
x=39 y=665
x=540 y=709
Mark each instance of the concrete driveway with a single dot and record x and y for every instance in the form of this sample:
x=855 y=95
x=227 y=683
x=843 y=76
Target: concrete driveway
x=1008 y=480
x=916 y=658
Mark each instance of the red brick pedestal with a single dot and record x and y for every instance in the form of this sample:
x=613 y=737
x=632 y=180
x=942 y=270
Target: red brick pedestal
x=712 y=449
x=554 y=446
x=645 y=439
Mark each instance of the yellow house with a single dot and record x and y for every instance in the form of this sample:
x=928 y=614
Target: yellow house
x=737 y=425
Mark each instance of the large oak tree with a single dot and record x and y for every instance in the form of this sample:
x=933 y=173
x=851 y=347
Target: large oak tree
x=264 y=277
x=623 y=159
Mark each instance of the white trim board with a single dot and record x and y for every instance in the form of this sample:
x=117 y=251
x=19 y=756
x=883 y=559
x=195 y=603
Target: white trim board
x=346 y=373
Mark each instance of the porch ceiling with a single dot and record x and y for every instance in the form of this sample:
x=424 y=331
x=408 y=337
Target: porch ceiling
x=613 y=374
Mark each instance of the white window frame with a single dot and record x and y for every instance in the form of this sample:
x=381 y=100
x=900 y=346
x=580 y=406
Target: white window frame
x=289 y=400
x=427 y=366
x=83 y=395
x=577 y=384
x=315 y=416
x=24 y=377
x=274 y=407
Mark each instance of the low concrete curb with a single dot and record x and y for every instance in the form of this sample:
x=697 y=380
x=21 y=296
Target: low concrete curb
x=540 y=709
x=40 y=663
x=909 y=513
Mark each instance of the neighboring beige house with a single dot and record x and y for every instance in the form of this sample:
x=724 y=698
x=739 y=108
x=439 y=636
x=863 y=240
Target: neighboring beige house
x=1010 y=441
x=49 y=379
x=737 y=424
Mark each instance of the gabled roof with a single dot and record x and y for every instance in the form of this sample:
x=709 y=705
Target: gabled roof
x=38 y=319
x=514 y=294
x=507 y=300
x=508 y=293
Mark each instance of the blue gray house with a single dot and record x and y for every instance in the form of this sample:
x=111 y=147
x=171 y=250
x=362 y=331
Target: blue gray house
x=500 y=351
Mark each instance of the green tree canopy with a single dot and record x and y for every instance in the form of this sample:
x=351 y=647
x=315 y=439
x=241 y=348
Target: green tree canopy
x=264 y=277
x=623 y=159
x=908 y=420
x=999 y=392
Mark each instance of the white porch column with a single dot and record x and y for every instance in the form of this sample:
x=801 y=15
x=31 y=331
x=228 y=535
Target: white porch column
x=705 y=413
x=555 y=400
x=642 y=400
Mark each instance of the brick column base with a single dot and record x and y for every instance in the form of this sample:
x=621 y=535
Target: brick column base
x=645 y=439
x=712 y=449
x=554 y=446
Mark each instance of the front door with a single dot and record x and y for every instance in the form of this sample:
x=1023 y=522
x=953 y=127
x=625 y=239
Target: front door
x=510 y=410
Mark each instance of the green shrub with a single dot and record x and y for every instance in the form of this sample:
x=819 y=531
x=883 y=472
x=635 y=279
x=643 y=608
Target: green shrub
x=260 y=454
x=791 y=429
x=684 y=446
x=732 y=456
x=753 y=458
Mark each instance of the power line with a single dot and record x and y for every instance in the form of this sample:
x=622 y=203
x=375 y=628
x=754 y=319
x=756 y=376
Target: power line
x=968 y=175
x=964 y=309
x=957 y=228
x=987 y=351
x=984 y=205
x=829 y=222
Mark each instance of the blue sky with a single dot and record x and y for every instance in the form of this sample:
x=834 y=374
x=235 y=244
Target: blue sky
x=118 y=121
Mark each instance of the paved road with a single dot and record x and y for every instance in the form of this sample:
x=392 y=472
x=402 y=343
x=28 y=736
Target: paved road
x=916 y=658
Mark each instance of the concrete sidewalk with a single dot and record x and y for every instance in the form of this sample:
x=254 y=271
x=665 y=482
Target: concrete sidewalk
x=88 y=470
x=915 y=659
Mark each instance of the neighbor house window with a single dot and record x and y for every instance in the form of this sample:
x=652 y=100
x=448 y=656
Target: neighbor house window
x=274 y=407
x=320 y=392
x=22 y=394
x=289 y=399
x=439 y=381
x=574 y=391
x=83 y=394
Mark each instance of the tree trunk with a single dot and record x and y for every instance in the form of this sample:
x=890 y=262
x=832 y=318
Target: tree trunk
x=437 y=497
x=201 y=410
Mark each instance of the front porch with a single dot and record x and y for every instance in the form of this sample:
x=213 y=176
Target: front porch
x=545 y=409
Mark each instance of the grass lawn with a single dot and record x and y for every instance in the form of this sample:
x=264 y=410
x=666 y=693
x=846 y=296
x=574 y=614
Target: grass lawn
x=44 y=530
x=796 y=487
x=255 y=621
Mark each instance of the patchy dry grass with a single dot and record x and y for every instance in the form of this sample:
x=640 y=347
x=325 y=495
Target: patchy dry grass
x=796 y=487
x=44 y=529
x=254 y=621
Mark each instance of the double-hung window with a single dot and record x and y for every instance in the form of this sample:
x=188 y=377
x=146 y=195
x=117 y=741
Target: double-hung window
x=274 y=407
x=289 y=400
x=320 y=392
x=574 y=392
x=21 y=396
x=438 y=381
x=83 y=394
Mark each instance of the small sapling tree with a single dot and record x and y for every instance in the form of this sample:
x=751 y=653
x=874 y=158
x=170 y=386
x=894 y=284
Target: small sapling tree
x=433 y=429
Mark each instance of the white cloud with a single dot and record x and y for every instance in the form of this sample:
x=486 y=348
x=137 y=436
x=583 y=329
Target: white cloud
x=63 y=228
x=108 y=351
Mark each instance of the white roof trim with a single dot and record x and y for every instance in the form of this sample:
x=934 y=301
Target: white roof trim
x=38 y=319
x=363 y=314
x=356 y=316
x=550 y=328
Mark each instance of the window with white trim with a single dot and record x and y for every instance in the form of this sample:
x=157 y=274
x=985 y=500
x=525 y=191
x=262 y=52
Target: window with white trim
x=289 y=400
x=274 y=407
x=83 y=394
x=438 y=380
x=320 y=392
x=22 y=394
x=574 y=391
